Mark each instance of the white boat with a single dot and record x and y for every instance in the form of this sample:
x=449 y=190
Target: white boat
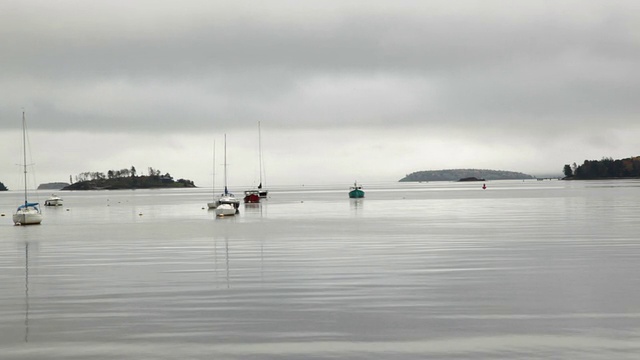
x=29 y=212
x=226 y=210
x=228 y=204
x=54 y=200
x=228 y=198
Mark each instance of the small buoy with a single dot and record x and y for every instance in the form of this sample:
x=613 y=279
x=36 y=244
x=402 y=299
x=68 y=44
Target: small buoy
x=140 y=214
x=2 y=214
x=68 y=209
x=484 y=186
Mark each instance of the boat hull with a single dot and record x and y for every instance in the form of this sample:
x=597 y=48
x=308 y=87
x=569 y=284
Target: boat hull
x=251 y=196
x=27 y=218
x=226 y=210
x=356 y=194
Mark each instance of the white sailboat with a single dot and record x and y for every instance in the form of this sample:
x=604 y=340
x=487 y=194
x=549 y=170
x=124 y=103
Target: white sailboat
x=228 y=204
x=254 y=195
x=263 y=192
x=29 y=212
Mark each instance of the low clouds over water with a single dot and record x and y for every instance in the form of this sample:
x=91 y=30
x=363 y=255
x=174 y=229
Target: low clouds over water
x=362 y=89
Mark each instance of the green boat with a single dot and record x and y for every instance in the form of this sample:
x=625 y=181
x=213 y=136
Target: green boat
x=355 y=192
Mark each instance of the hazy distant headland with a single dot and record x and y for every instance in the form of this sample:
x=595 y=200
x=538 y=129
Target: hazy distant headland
x=607 y=168
x=52 y=186
x=2 y=187
x=457 y=174
x=126 y=179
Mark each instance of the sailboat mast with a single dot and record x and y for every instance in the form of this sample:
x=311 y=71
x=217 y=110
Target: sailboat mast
x=225 y=165
x=260 y=152
x=214 y=170
x=24 y=154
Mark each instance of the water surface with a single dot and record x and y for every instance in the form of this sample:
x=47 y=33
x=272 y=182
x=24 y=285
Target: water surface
x=527 y=270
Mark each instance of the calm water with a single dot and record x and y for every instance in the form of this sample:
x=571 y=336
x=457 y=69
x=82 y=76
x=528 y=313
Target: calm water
x=521 y=270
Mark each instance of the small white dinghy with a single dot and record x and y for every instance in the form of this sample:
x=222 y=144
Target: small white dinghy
x=226 y=210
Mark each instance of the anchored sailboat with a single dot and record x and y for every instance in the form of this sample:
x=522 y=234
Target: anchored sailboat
x=254 y=195
x=228 y=204
x=29 y=212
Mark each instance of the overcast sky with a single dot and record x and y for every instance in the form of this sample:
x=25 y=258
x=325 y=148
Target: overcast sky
x=344 y=90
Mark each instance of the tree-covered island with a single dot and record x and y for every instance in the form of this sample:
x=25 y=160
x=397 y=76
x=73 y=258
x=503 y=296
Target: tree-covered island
x=2 y=187
x=607 y=168
x=460 y=174
x=126 y=179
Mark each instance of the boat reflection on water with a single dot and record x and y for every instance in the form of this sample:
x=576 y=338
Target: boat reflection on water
x=252 y=207
x=26 y=291
x=356 y=205
x=219 y=242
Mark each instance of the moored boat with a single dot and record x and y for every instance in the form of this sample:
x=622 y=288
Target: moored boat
x=259 y=191
x=356 y=192
x=228 y=204
x=29 y=212
x=226 y=210
x=54 y=200
x=251 y=196
x=228 y=198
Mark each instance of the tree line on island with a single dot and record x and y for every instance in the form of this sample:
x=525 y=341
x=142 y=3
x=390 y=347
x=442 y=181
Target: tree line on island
x=607 y=168
x=464 y=175
x=126 y=179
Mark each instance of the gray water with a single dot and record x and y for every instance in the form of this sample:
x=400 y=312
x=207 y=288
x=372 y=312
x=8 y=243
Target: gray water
x=521 y=270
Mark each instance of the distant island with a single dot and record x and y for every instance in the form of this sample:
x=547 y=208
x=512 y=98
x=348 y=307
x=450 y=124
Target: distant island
x=464 y=175
x=607 y=168
x=52 y=186
x=126 y=179
x=2 y=187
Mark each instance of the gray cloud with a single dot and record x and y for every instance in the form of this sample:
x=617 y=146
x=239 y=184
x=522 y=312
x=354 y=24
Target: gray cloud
x=536 y=71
